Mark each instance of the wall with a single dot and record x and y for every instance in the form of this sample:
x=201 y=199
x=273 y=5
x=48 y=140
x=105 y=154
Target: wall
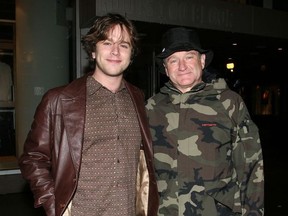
x=41 y=58
x=207 y=14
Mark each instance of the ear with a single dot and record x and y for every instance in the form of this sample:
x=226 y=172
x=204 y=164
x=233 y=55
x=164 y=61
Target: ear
x=166 y=71
x=203 y=60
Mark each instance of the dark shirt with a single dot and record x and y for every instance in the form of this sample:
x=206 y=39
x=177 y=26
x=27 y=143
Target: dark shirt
x=110 y=154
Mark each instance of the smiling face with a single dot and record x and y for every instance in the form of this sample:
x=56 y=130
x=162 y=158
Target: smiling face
x=184 y=69
x=113 y=55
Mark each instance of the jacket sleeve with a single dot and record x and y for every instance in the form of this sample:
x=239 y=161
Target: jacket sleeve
x=248 y=162
x=35 y=162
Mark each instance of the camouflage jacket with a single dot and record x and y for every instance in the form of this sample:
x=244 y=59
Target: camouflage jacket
x=207 y=152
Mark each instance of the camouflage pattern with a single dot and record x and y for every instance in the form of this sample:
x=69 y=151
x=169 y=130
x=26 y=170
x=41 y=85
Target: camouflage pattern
x=207 y=152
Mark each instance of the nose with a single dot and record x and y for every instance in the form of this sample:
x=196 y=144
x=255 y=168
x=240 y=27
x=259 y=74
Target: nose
x=182 y=65
x=115 y=49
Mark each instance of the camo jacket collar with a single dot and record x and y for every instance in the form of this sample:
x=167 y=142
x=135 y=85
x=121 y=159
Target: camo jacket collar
x=177 y=97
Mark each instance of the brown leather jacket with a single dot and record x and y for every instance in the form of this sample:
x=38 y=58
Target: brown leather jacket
x=52 y=151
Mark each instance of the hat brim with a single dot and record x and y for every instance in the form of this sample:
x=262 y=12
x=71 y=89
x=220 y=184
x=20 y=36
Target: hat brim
x=166 y=53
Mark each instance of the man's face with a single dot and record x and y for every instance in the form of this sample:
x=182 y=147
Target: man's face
x=113 y=55
x=184 y=69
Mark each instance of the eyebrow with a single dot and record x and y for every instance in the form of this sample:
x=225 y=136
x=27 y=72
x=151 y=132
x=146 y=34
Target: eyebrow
x=121 y=40
x=193 y=51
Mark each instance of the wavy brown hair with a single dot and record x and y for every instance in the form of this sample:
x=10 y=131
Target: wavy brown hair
x=99 y=32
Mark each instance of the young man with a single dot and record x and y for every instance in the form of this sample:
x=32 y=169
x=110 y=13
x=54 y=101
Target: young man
x=207 y=151
x=89 y=145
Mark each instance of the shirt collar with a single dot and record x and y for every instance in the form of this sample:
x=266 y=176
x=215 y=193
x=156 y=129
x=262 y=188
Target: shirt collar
x=93 y=86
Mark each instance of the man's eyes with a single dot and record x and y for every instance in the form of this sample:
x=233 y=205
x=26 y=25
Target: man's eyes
x=123 y=45
x=175 y=60
x=107 y=43
x=190 y=56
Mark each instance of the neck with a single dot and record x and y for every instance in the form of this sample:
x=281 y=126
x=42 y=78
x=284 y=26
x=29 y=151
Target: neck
x=110 y=82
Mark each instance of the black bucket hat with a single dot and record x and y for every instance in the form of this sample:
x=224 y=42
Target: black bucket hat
x=181 y=39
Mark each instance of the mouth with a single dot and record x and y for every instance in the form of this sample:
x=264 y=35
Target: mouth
x=114 y=61
x=184 y=73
